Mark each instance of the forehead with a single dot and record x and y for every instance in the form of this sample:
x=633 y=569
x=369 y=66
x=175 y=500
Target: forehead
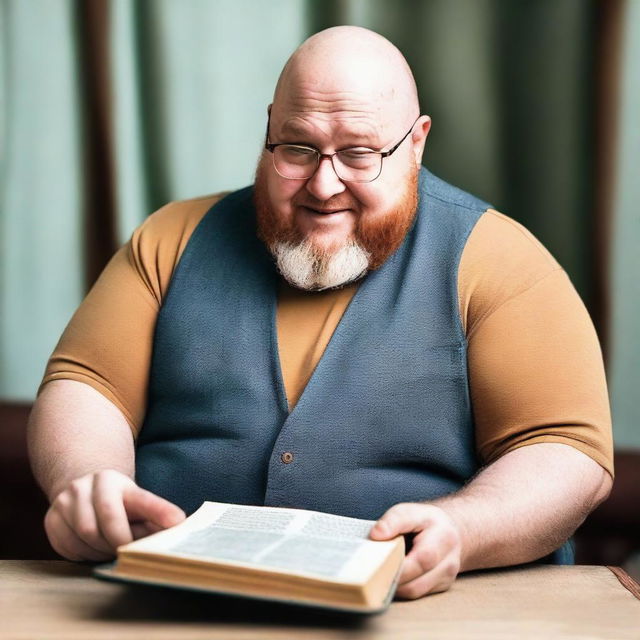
x=353 y=116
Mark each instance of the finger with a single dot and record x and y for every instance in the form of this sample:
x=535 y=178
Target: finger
x=141 y=504
x=431 y=546
x=422 y=559
x=66 y=505
x=152 y=527
x=81 y=517
x=65 y=541
x=110 y=512
x=437 y=580
x=404 y=517
x=143 y=529
x=57 y=533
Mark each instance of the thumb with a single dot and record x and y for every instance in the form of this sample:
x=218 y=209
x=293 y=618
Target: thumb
x=141 y=504
x=143 y=529
x=403 y=517
x=382 y=530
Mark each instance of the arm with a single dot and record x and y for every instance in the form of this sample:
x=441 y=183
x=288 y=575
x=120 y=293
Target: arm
x=518 y=509
x=74 y=430
x=526 y=504
x=93 y=396
x=82 y=454
x=541 y=417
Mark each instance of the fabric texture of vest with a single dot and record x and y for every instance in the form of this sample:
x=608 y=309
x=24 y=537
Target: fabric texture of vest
x=386 y=415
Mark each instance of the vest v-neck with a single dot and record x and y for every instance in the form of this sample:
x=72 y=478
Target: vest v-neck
x=305 y=323
x=385 y=415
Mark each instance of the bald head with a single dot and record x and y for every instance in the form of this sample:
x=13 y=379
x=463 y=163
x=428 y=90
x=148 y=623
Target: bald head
x=336 y=186
x=348 y=69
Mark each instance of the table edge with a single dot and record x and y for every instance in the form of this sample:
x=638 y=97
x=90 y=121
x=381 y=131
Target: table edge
x=626 y=580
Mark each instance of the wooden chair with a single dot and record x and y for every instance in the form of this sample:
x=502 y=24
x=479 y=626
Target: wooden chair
x=22 y=503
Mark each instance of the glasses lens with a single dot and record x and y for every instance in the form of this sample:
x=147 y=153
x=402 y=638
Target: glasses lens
x=292 y=161
x=353 y=165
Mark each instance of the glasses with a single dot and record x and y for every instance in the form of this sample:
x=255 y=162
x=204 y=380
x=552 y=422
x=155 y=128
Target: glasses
x=300 y=162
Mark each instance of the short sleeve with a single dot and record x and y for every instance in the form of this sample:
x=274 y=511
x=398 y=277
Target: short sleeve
x=108 y=342
x=535 y=367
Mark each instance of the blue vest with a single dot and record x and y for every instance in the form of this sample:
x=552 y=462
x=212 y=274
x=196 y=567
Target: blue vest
x=385 y=417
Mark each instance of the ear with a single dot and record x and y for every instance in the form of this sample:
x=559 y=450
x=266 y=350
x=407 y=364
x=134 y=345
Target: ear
x=419 y=137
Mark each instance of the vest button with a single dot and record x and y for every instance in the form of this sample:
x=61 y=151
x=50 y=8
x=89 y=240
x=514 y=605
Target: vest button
x=287 y=457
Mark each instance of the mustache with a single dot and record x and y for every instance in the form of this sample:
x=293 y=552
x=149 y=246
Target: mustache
x=335 y=202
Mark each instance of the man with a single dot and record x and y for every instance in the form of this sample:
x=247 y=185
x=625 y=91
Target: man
x=416 y=357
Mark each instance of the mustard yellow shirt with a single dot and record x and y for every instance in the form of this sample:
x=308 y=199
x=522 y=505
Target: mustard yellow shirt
x=535 y=368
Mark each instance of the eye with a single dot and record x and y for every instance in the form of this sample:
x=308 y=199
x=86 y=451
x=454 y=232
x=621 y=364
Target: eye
x=296 y=152
x=358 y=157
x=356 y=152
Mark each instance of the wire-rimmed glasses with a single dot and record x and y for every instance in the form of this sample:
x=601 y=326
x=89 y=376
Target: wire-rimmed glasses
x=355 y=164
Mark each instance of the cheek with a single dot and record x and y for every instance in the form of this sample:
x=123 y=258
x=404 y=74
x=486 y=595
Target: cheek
x=388 y=191
x=373 y=200
x=282 y=192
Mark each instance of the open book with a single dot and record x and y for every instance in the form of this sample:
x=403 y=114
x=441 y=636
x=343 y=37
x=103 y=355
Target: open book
x=290 y=555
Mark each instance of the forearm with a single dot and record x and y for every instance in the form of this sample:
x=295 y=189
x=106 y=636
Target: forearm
x=525 y=505
x=74 y=430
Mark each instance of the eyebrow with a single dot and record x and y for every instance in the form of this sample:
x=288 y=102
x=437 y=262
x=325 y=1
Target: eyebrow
x=295 y=128
x=300 y=136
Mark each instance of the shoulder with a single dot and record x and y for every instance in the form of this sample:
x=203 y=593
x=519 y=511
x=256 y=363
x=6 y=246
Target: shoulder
x=501 y=260
x=157 y=244
x=173 y=224
x=433 y=188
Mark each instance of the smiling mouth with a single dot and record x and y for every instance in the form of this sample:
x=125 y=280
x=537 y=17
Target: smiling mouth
x=324 y=212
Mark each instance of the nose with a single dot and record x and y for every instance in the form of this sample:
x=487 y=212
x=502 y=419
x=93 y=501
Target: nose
x=324 y=183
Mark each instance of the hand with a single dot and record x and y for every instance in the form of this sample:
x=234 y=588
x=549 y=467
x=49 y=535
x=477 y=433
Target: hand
x=433 y=562
x=100 y=511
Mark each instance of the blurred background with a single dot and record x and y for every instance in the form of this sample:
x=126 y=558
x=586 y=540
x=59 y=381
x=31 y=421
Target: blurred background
x=111 y=108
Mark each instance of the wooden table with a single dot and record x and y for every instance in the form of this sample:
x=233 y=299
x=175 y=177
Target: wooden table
x=52 y=599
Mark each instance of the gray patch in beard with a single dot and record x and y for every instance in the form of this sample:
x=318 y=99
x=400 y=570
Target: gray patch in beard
x=305 y=268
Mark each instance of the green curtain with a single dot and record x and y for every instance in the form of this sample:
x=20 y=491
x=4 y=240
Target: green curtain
x=509 y=85
x=624 y=365
x=41 y=187
x=192 y=83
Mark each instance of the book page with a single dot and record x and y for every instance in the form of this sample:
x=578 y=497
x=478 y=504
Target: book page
x=289 y=540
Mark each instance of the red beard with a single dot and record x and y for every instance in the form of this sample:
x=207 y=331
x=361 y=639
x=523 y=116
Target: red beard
x=380 y=236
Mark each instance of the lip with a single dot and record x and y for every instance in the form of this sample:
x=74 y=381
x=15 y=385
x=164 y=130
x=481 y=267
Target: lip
x=324 y=212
